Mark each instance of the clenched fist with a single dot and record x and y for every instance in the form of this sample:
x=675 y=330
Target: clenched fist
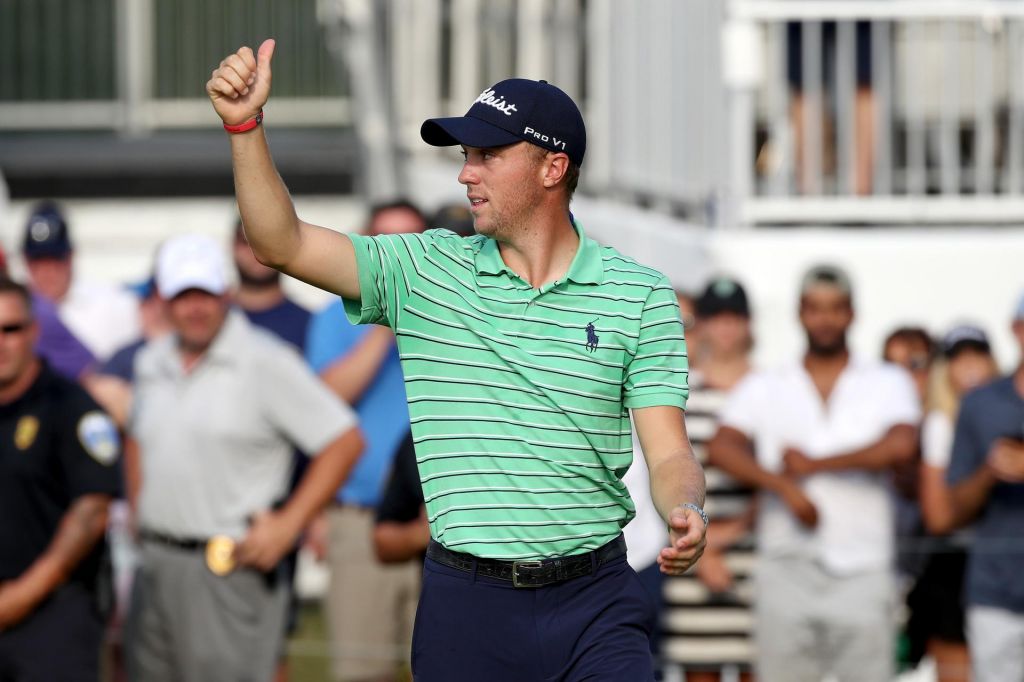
x=240 y=85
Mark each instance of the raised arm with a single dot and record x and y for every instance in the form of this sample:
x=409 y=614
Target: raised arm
x=238 y=89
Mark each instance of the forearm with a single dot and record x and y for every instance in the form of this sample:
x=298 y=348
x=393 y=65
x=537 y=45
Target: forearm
x=897 y=446
x=80 y=529
x=733 y=456
x=676 y=480
x=935 y=498
x=351 y=375
x=969 y=496
x=271 y=224
x=395 y=542
x=132 y=464
x=325 y=474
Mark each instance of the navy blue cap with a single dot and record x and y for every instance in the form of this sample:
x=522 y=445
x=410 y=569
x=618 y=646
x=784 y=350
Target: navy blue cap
x=515 y=110
x=46 y=233
x=965 y=336
x=722 y=295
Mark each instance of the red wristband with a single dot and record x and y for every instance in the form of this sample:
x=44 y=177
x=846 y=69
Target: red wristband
x=248 y=125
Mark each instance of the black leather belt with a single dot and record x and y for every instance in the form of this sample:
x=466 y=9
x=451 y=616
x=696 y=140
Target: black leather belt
x=530 y=573
x=189 y=544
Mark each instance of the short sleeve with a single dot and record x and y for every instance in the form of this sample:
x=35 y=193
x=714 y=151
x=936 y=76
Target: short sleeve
x=937 y=439
x=330 y=336
x=90 y=448
x=388 y=267
x=299 y=405
x=744 y=405
x=902 y=405
x=968 y=450
x=657 y=373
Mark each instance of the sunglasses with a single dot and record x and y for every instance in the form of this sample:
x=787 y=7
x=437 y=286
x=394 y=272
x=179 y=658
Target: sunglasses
x=14 y=327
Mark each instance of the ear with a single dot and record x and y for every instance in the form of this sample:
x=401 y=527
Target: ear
x=555 y=168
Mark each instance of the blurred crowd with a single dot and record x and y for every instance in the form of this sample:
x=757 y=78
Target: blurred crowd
x=193 y=433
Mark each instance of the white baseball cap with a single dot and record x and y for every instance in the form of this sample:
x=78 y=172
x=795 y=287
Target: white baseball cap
x=190 y=261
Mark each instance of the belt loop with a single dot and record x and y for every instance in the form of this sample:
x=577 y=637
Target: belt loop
x=472 y=574
x=593 y=562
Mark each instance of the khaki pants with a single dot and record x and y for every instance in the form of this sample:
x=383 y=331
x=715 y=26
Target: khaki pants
x=810 y=623
x=370 y=606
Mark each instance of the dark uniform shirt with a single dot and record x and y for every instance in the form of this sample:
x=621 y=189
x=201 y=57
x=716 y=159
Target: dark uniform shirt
x=55 y=446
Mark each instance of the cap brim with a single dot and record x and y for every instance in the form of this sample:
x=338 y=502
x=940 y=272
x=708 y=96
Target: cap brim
x=465 y=130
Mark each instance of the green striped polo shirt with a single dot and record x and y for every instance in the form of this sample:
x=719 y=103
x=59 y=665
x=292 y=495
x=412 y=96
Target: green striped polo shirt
x=519 y=396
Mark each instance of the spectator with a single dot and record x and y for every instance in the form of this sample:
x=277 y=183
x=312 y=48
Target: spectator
x=713 y=604
x=370 y=607
x=57 y=477
x=103 y=317
x=220 y=406
x=818 y=439
x=262 y=299
x=912 y=349
x=986 y=475
x=936 y=601
x=863 y=103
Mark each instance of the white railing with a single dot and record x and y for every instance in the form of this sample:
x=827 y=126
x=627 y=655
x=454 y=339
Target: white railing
x=937 y=135
x=646 y=73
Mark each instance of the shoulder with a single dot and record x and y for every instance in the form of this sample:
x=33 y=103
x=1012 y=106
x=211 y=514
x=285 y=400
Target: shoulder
x=446 y=241
x=984 y=396
x=152 y=353
x=620 y=269
x=74 y=406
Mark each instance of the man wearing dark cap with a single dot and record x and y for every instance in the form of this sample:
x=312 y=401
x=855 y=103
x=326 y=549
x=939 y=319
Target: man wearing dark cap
x=818 y=438
x=986 y=475
x=102 y=317
x=524 y=348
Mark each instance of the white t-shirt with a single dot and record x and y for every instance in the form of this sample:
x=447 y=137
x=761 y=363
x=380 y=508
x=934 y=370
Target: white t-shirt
x=937 y=439
x=103 y=317
x=782 y=408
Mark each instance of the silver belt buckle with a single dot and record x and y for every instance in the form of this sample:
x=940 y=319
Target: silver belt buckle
x=516 y=565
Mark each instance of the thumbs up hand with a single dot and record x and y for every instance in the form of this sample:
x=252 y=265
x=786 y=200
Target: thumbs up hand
x=240 y=85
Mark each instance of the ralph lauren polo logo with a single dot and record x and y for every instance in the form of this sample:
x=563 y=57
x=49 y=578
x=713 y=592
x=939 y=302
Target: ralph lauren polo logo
x=592 y=338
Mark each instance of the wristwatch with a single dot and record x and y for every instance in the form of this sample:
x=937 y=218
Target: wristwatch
x=703 y=514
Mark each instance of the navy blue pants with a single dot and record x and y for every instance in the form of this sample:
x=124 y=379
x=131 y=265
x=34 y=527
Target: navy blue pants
x=476 y=629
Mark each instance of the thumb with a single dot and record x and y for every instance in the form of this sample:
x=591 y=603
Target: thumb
x=677 y=519
x=263 y=56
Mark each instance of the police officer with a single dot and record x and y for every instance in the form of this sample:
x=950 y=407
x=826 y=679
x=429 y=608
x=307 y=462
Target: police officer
x=58 y=473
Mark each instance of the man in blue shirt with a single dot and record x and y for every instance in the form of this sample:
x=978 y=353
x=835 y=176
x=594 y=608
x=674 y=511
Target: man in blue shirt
x=371 y=606
x=987 y=479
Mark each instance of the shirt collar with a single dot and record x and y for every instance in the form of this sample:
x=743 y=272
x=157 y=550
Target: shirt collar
x=226 y=347
x=587 y=266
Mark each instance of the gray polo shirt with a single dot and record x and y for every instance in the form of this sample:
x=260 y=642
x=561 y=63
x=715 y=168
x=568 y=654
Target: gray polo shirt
x=216 y=443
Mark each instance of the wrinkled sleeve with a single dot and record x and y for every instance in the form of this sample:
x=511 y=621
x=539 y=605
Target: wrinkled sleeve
x=388 y=268
x=657 y=373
